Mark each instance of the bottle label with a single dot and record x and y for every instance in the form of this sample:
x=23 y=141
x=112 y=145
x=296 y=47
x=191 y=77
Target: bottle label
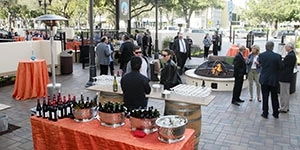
x=59 y=113
x=46 y=114
x=68 y=110
x=53 y=114
x=38 y=113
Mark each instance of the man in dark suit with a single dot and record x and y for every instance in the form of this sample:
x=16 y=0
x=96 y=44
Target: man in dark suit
x=286 y=76
x=126 y=51
x=239 y=72
x=181 y=49
x=271 y=65
x=135 y=86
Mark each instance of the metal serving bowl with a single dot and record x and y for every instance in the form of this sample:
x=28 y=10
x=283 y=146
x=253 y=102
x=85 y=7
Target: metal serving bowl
x=112 y=119
x=171 y=128
x=146 y=125
x=82 y=115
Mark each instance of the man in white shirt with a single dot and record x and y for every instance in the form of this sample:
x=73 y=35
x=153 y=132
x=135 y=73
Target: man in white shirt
x=145 y=68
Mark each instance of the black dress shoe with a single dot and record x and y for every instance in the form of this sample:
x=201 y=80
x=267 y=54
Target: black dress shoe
x=264 y=116
x=276 y=116
x=235 y=103
x=239 y=100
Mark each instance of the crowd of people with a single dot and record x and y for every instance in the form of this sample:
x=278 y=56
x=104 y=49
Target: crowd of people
x=29 y=34
x=269 y=72
x=134 y=56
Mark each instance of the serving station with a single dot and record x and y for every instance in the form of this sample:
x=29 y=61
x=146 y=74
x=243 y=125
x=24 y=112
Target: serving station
x=184 y=100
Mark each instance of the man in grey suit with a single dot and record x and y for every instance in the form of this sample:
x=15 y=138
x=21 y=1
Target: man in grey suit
x=103 y=53
x=271 y=65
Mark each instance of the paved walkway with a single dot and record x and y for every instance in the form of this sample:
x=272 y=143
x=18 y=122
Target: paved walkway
x=224 y=126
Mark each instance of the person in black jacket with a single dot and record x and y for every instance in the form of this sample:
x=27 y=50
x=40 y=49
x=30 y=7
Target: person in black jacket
x=135 y=86
x=126 y=53
x=181 y=49
x=286 y=76
x=169 y=76
x=239 y=72
x=271 y=64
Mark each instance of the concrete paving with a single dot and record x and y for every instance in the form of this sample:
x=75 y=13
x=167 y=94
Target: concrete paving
x=224 y=126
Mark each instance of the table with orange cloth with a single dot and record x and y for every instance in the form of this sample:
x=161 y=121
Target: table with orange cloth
x=234 y=49
x=66 y=134
x=37 y=38
x=19 y=38
x=31 y=79
x=74 y=45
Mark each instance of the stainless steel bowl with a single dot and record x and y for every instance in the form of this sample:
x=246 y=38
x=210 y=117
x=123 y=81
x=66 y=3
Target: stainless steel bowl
x=112 y=119
x=146 y=125
x=171 y=128
x=83 y=115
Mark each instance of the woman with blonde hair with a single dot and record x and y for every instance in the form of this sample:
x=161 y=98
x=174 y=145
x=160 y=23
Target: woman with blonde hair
x=253 y=72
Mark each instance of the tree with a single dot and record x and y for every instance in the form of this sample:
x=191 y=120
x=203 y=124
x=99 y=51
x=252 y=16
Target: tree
x=186 y=8
x=272 y=11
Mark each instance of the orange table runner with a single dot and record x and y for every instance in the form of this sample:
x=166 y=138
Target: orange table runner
x=31 y=80
x=66 y=134
x=234 y=49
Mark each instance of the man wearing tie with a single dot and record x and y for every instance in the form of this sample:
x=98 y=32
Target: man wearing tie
x=181 y=49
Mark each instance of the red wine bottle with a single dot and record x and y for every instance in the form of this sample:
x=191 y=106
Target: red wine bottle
x=54 y=111
x=65 y=106
x=60 y=110
x=45 y=109
x=38 y=109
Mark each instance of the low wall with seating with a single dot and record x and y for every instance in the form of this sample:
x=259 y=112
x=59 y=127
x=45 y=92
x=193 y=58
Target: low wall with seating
x=13 y=52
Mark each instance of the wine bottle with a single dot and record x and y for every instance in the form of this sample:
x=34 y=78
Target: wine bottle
x=87 y=103
x=60 y=110
x=65 y=106
x=50 y=107
x=115 y=84
x=100 y=107
x=54 y=111
x=203 y=83
x=45 y=109
x=38 y=109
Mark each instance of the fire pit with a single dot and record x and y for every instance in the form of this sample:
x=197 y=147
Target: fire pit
x=216 y=74
x=218 y=69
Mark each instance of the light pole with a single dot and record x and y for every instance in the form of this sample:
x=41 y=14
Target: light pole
x=156 y=30
x=91 y=48
x=51 y=21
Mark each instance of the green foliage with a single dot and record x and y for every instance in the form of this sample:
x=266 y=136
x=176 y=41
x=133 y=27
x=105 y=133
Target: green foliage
x=167 y=41
x=258 y=11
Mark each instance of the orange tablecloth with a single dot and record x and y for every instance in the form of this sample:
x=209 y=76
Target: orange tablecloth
x=19 y=38
x=37 y=38
x=73 y=45
x=31 y=79
x=66 y=134
x=234 y=49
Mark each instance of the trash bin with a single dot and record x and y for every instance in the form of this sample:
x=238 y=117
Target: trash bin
x=3 y=122
x=66 y=62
